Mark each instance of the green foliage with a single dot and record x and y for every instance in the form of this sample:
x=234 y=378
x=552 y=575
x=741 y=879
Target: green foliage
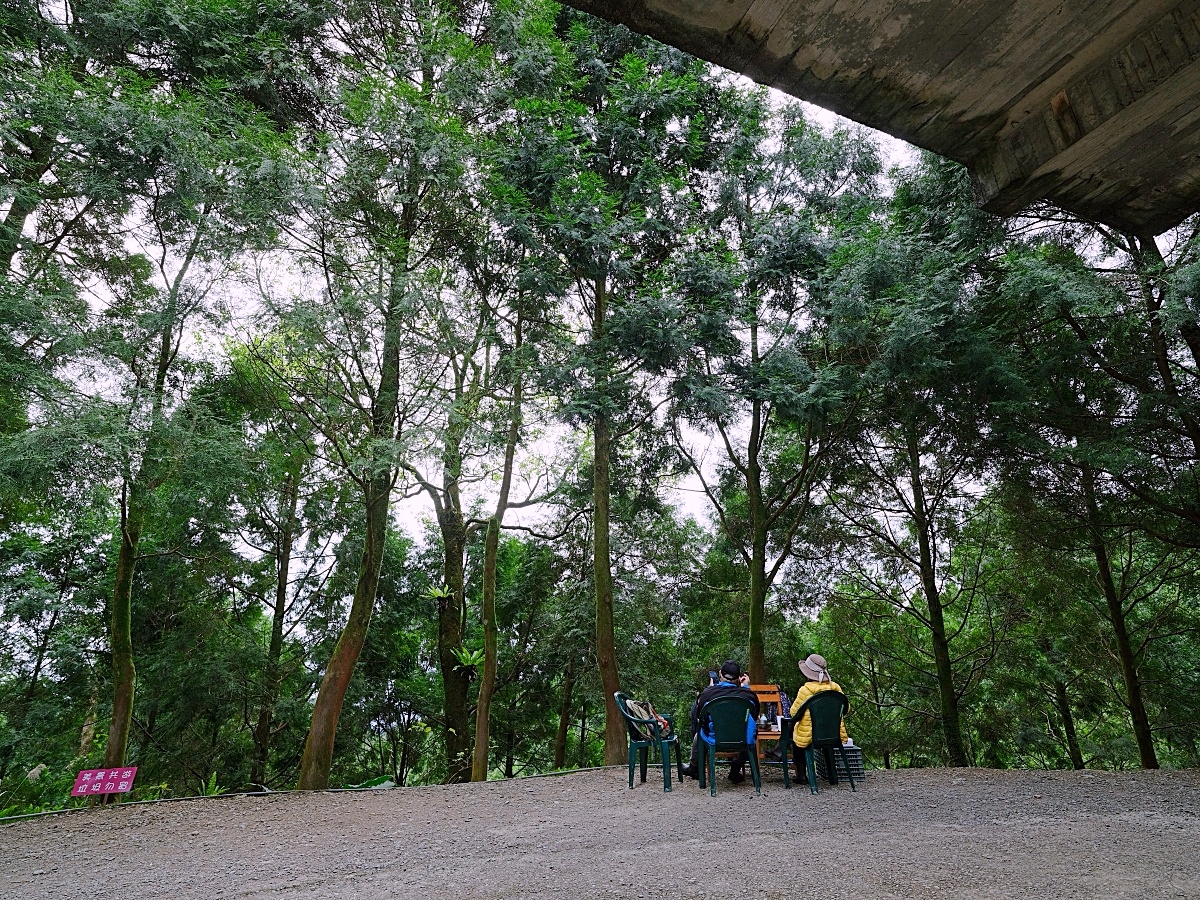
x=38 y=789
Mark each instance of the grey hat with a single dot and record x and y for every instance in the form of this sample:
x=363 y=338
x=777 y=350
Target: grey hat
x=815 y=668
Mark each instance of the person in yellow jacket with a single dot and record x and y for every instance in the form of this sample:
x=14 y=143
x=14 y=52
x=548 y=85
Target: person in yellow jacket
x=816 y=671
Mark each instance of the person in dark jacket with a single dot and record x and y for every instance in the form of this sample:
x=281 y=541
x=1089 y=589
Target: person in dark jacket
x=733 y=683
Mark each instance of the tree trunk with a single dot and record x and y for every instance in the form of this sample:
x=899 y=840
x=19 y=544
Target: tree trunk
x=317 y=759
x=121 y=629
x=606 y=641
x=318 y=748
x=582 y=736
x=1114 y=605
x=40 y=657
x=606 y=651
x=1062 y=703
x=487 y=684
x=877 y=701
x=25 y=198
x=404 y=751
x=134 y=507
x=947 y=695
x=87 y=733
x=452 y=603
x=272 y=674
x=455 y=676
x=564 y=717
x=758 y=544
x=11 y=229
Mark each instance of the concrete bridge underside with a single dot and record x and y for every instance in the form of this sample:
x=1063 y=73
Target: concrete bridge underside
x=1093 y=105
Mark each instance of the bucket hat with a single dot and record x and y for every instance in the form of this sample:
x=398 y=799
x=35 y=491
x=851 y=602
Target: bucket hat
x=815 y=668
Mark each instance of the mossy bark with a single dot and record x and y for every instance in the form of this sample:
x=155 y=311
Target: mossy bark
x=491 y=551
x=606 y=640
x=943 y=664
x=1115 y=607
x=317 y=758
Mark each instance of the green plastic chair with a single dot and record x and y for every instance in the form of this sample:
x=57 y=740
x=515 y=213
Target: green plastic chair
x=729 y=716
x=826 y=709
x=644 y=734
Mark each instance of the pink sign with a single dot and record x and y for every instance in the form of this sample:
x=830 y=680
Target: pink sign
x=103 y=781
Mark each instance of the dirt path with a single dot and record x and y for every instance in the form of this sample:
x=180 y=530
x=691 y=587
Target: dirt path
x=915 y=833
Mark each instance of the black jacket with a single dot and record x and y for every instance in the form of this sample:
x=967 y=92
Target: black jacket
x=720 y=689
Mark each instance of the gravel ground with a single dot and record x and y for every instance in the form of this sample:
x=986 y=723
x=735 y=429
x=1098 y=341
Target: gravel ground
x=911 y=833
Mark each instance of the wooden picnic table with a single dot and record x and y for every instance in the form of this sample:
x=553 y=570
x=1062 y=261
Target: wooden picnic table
x=778 y=726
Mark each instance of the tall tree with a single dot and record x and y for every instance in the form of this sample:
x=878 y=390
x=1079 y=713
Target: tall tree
x=901 y=300
x=627 y=122
x=290 y=505
x=101 y=143
x=207 y=203
x=462 y=323
x=1104 y=330
x=761 y=376
x=1127 y=584
x=377 y=207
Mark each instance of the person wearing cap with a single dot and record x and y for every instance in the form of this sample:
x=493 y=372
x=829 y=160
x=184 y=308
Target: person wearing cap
x=816 y=671
x=733 y=683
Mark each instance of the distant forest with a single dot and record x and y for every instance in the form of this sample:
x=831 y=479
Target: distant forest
x=275 y=274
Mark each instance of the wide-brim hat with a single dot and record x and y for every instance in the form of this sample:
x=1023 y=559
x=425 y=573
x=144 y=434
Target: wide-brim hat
x=815 y=668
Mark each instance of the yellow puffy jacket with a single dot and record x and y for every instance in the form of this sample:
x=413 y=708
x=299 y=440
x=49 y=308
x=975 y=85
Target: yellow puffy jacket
x=802 y=734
